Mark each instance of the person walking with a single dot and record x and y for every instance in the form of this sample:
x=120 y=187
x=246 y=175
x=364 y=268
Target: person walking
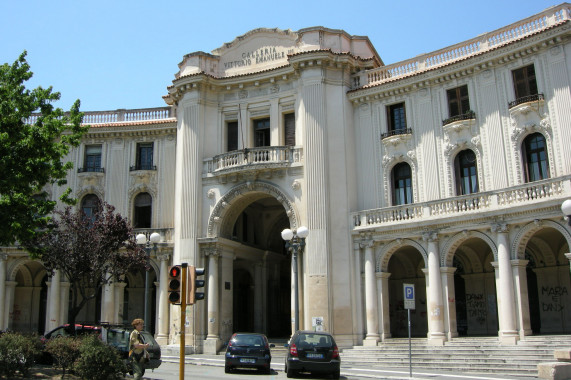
x=137 y=349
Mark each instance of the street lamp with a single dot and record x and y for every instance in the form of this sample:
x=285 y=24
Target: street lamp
x=566 y=208
x=295 y=241
x=142 y=240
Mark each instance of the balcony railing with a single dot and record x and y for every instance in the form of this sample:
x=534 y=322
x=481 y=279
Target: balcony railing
x=120 y=115
x=470 y=115
x=395 y=132
x=142 y=167
x=167 y=234
x=526 y=99
x=476 y=46
x=253 y=158
x=90 y=170
x=467 y=204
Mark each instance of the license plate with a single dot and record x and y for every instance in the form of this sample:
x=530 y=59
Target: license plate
x=314 y=356
x=247 y=360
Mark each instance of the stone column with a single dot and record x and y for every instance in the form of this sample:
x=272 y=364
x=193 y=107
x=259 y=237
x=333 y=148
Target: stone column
x=3 y=309
x=522 y=297
x=372 y=336
x=54 y=301
x=568 y=255
x=357 y=308
x=435 y=309
x=64 y=303
x=162 y=327
x=212 y=342
x=9 y=303
x=450 y=327
x=383 y=303
x=120 y=312
x=505 y=288
x=108 y=304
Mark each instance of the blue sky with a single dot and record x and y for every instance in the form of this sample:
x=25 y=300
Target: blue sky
x=123 y=53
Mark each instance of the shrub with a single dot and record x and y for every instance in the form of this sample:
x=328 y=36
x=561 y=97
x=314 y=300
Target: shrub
x=64 y=350
x=98 y=361
x=17 y=353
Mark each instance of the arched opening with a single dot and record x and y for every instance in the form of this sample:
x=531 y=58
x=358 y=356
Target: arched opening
x=405 y=267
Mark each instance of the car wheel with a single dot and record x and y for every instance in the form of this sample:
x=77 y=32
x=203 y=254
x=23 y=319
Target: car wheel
x=290 y=372
x=227 y=369
x=336 y=375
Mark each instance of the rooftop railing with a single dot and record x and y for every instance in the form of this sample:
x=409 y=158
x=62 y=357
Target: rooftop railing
x=120 y=115
x=478 y=45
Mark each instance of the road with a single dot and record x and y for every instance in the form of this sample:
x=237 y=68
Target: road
x=214 y=369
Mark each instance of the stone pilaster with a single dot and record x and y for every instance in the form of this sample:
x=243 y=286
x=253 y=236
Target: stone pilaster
x=357 y=297
x=522 y=297
x=163 y=303
x=450 y=322
x=212 y=343
x=383 y=304
x=435 y=309
x=54 y=302
x=372 y=336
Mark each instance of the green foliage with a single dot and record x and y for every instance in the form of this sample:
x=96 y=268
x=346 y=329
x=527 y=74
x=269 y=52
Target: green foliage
x=64 y=350
x=98 y=361
x=17 y=353
x=31 y=155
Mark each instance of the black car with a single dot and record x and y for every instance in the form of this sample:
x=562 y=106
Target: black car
x=248 y=350
x=312 y=351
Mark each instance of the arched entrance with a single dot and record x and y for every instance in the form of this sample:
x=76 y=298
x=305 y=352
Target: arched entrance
x=261 y=274
x=406 y=267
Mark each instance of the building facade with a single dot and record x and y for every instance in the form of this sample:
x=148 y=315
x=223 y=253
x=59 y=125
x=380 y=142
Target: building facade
x=446 y=171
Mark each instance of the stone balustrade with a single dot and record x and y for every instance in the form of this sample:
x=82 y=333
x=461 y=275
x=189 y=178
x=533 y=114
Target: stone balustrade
x=478 y=45
x=120 y=115
x=252 y=158
x=167 y=234
x=477 y=203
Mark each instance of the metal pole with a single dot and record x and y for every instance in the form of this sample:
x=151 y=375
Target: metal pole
x=146 y=311
x=182 y=320
x=409 y=347
x=295 y=290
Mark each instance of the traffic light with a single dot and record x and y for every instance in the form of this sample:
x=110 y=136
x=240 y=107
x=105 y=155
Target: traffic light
x=193 y=284
x=175 y=284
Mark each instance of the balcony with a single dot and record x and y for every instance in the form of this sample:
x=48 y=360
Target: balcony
x=470 y=115
x=142 y=167
x=396 y=132
x=90 y=170
x=253 y=159
x=485 y=205
x=526 y=99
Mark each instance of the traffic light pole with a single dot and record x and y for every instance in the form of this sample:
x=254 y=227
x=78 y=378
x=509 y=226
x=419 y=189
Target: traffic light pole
x=184 y=267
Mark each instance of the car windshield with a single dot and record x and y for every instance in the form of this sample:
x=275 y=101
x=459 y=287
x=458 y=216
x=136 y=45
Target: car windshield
x=316 y=340
x=248 y=340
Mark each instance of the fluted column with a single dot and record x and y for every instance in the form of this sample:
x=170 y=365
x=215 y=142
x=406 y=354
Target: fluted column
x=450 y=325
x=54 y=302
x=383 y=304
x=372 y=336
x=3 y=259
x=163 y=309
x=523 y=321
x=356 y=295
x=108 y=304
x=435 y=309
x=505 y=288
x=9 y=303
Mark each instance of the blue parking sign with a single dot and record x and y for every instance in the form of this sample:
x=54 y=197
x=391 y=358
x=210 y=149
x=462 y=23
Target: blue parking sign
x=408 y=296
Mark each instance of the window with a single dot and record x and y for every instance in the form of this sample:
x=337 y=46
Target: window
x=145 y=156
x=92 y=158
x=466 y=173
x=262 y=132
x=232 y=136
x=458 y=101
x=534 y=155
x=90 y=205
x=143 y=208
x=396 y=117
x=524 y=82
x=289 y=129
x=402 y=184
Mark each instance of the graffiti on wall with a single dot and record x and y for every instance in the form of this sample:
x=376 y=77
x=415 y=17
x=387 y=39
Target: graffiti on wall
x=552 y=298
x=476 y=307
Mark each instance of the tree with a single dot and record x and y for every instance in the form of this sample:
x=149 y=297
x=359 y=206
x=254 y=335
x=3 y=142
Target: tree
x=89 y=251
x=31 y=154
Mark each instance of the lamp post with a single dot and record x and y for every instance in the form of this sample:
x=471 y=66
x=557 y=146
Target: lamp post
x=142 y=240
x=566 y=209
x=295 y=241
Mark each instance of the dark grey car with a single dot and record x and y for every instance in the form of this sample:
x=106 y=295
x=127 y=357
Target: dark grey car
x=248 y=350
x=312 y=351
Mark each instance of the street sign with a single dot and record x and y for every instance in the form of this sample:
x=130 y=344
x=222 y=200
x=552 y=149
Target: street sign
x=408 y=296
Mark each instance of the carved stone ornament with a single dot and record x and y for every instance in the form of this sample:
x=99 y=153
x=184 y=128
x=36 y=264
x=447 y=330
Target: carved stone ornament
x=210 y=194
x=296 y=185
x=243 y=94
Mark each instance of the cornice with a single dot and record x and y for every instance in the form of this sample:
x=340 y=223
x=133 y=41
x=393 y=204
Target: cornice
x=132 y=130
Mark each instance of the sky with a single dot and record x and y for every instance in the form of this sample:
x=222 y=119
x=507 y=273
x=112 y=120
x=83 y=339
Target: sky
x=114 y=54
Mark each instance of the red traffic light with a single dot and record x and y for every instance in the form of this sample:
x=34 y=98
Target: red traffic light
x=175 y=271
x=175 y=284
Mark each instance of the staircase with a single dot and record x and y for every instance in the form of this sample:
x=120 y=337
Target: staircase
x=467 y=355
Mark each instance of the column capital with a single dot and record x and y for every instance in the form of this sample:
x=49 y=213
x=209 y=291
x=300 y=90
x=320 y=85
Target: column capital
x=3 y=256
x=383 y=275
x=367 y=243
x=519 y=263
x=448 y=270
x=500 y=228
x=430 y=236
x=568 y=255
x=164 y=257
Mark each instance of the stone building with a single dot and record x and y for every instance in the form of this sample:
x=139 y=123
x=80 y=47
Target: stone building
x=445 y=171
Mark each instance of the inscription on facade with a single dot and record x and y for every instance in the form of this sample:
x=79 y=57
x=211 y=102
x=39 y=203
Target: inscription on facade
x=258 y=56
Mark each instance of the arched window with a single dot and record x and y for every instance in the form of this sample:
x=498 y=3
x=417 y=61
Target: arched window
x=90 y=205
x=466 y=172
x=534 y=152
x=143 y=208
x=402 y=184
